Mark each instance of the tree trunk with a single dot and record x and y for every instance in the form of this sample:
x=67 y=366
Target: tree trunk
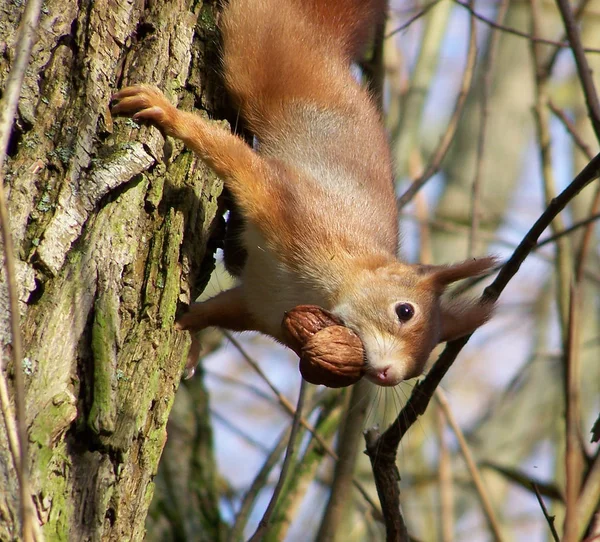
x=111 y=231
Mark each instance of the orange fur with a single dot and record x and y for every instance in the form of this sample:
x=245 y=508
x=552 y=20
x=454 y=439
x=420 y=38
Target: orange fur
x=317 y=193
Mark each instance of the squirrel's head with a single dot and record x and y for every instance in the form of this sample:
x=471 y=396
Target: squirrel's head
x=400 y=314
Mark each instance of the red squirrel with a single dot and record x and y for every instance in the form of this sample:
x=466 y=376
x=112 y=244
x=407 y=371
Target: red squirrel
x=317 y=192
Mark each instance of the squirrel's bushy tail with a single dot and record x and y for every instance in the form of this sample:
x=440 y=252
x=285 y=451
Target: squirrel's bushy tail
x=276 y=52
x=349 y=22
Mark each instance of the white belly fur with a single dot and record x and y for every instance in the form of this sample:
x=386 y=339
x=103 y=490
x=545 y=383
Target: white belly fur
x=270 y=288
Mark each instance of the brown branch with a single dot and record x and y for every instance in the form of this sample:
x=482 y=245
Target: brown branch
x=287 y=461
x=589 y=496
x=573 y=452
x=9 y=419
x=486 y=503
x=579 y=10
x=410 y=21
x=348 y=446
x=563 y=263
x=585 y=222
x=446 y=482
x=519 y=33
x=549 y=518
x=382 y=449
x=327 y=408
x=452 y=227
x=450 y=132
x=289 y=407
x=387 y=477
x=583 y=68
x=586 y=240
x=485 y=111
x=8 y=109
x=570 y=127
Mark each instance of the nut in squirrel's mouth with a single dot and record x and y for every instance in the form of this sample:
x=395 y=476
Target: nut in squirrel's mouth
x=330 y=353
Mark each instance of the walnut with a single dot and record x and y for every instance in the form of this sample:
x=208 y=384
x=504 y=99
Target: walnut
x=330 y=353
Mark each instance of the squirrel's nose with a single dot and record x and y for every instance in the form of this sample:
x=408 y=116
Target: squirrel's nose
x=383 y=376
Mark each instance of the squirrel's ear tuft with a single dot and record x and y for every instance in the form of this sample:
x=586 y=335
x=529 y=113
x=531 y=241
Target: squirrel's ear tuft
x=460 y=316
x=443 y=275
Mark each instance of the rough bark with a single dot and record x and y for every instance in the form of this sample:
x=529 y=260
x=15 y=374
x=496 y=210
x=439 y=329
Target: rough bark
x=111 y=233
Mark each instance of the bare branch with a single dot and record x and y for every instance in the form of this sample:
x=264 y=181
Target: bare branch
x=573 y=452
x=405 y=25
x=485 y=96
x=486 y=503
x=549 y=519
x=450 y=132
x=287 y=405
x=519 y=33
x=589 y=498
x=382 y=449
x=349 y=441
x=8 y=109
x=583 y=68
x=570 y=127
x=289 y=454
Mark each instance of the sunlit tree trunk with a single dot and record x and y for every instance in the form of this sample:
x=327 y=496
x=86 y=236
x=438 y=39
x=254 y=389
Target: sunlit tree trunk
x=111 y=230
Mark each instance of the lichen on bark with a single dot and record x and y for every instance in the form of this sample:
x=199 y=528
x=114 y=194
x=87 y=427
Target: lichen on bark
x=110 y=235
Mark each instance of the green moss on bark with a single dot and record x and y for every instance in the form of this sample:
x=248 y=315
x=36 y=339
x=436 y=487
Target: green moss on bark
x=104 y=344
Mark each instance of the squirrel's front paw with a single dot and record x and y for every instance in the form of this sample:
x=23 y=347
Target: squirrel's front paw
x=145 y=104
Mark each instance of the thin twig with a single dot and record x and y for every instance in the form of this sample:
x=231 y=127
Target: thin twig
x=588 y=234
x=13 y=440
x=579 y=11
x=245 y=386
x=453 y=227
x=425 y=245
x=450 y=132
x=570 y=127
x=287 y=405
x=445 y=481
x=386 y=445
x=289 y=454
x=589 y=496
x=583 y=68
x=242 y=433
x=9 y=419
x=564 y=264
x=519 y=33
x=386 y=476
x=410 y=21
x=411 y=103
x=283 y=400
x=585 y=222
x=8 y=109
x=258 y=484
x=261 y=478
x=568 y=304
x=486 y=504
x=481 y=140
x=349 y=441
x=549 y=518
x=573 y=453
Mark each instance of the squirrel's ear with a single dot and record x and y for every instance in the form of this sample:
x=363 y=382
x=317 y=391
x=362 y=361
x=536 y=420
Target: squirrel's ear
x=460 y=316
x=443 y=275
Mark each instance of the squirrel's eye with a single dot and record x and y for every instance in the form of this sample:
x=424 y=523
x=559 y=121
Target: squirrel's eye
x=405 y=311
